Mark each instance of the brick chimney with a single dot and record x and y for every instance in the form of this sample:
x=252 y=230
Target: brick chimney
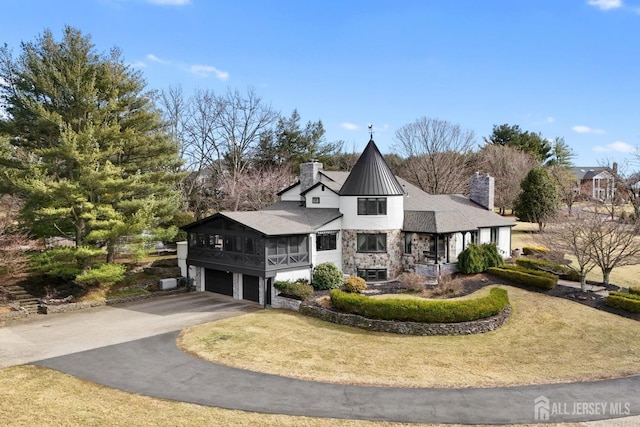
x=309 y=174
x=481 y=190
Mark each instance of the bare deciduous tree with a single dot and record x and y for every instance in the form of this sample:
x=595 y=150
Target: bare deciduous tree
x=573 y=236
x=438 y=155
x=508 y=165
x=614 y=244
x=259 y=187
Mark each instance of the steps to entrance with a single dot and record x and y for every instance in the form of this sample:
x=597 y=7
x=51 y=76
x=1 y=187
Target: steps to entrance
x=27 y=301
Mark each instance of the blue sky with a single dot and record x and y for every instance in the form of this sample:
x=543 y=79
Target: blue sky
x=567 y=68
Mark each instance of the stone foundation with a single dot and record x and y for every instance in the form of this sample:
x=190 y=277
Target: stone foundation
x=408 y=328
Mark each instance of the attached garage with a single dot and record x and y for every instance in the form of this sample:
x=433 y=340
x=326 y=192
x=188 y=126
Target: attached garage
x=218 y=281
x=251 y=288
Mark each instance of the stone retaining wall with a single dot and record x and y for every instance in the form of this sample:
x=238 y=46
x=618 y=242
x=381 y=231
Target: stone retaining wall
x=408 y=328
x=285 y=303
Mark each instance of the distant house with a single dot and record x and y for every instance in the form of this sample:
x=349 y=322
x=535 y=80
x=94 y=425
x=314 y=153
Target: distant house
x=596 y=182
x=368 y=222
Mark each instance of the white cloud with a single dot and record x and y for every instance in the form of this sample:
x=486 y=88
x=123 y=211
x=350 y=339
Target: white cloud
x=617 y=146
x=152 y=57
x=587 y=129
x=138 y=64
x=349 y=126
x=605 y=4
x=207 y=70
x=550 y=119
x=170 y=2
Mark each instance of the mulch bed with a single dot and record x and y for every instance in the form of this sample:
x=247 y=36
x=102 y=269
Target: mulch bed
x=474 y=282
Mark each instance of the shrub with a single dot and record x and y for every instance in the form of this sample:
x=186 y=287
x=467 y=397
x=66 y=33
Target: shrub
x=412 y=281
x=635 y=290
x=326 y=276
x=448 y=286
x=534 y=250
x=629 y=302
x=425 y=311
x=471 y=260
x=355 y=284
x=523 y=276
x=105 y=274
x=564 y=271
x=478 y=258
x=296 y=290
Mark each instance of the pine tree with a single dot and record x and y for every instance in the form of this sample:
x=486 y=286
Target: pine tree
x=537 y=201
x=95 y=162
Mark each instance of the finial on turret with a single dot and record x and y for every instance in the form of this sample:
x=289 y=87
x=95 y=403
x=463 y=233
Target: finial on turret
x=370 y=131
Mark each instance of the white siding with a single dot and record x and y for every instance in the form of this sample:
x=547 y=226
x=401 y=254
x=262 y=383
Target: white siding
x=484 y=236
x=291 y=195
x=393 y=220
x=504 y=241
x=328 y=199
x=293 y=275
x=334 y=256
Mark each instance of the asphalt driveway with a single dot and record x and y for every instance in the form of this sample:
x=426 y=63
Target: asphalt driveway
x=154 y=366
x=46 y=336
x=132 y=347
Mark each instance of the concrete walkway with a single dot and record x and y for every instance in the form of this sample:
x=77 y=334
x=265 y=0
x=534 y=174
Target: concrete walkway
x=44 y=336
x=154 y=366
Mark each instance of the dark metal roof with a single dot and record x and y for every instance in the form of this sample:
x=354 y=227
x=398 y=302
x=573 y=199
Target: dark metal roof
x=371 y=176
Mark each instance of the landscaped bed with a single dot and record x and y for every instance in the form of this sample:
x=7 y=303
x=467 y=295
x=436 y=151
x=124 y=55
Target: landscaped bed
x=546 y=340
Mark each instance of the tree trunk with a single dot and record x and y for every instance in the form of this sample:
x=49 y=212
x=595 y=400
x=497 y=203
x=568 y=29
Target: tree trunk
x=111 y=253
x=583 y=281
x=605 y=276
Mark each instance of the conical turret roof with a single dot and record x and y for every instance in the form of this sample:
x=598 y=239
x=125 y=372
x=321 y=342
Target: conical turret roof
x=371 y=176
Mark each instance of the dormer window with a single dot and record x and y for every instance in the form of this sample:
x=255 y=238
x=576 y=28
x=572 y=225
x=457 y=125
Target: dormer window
x=372 y=206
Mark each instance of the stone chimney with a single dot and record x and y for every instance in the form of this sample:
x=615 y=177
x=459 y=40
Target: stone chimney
x=309 y=174
x=481 y=190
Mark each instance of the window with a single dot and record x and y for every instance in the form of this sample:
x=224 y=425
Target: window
x=315 y=200
x=326 y=241
x=373 y=274
x=495 y=233
x=372 y=242
x=407 y=243
x=372 y=206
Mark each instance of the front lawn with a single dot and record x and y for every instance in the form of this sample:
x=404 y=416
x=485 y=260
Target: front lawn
x=546 y=340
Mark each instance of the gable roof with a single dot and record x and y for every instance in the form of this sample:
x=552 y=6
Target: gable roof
x=371 y=176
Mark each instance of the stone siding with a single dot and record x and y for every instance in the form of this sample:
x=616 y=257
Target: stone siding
x=408 y=328
x=391 y=259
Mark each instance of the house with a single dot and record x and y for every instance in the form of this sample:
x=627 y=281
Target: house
x=596 y=182
x=368 y=222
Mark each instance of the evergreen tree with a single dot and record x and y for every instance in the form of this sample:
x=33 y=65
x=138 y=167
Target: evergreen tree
x=291 y=144
x=537 y=201
x=529 y=142
x=90 y=156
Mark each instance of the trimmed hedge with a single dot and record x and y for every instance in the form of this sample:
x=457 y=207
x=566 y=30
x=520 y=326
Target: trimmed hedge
x=534 y=250
x=629 y=302
x=524 y=276
x=425 y=311
x=295 y=290
x=634 y=290
x=565 y=272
